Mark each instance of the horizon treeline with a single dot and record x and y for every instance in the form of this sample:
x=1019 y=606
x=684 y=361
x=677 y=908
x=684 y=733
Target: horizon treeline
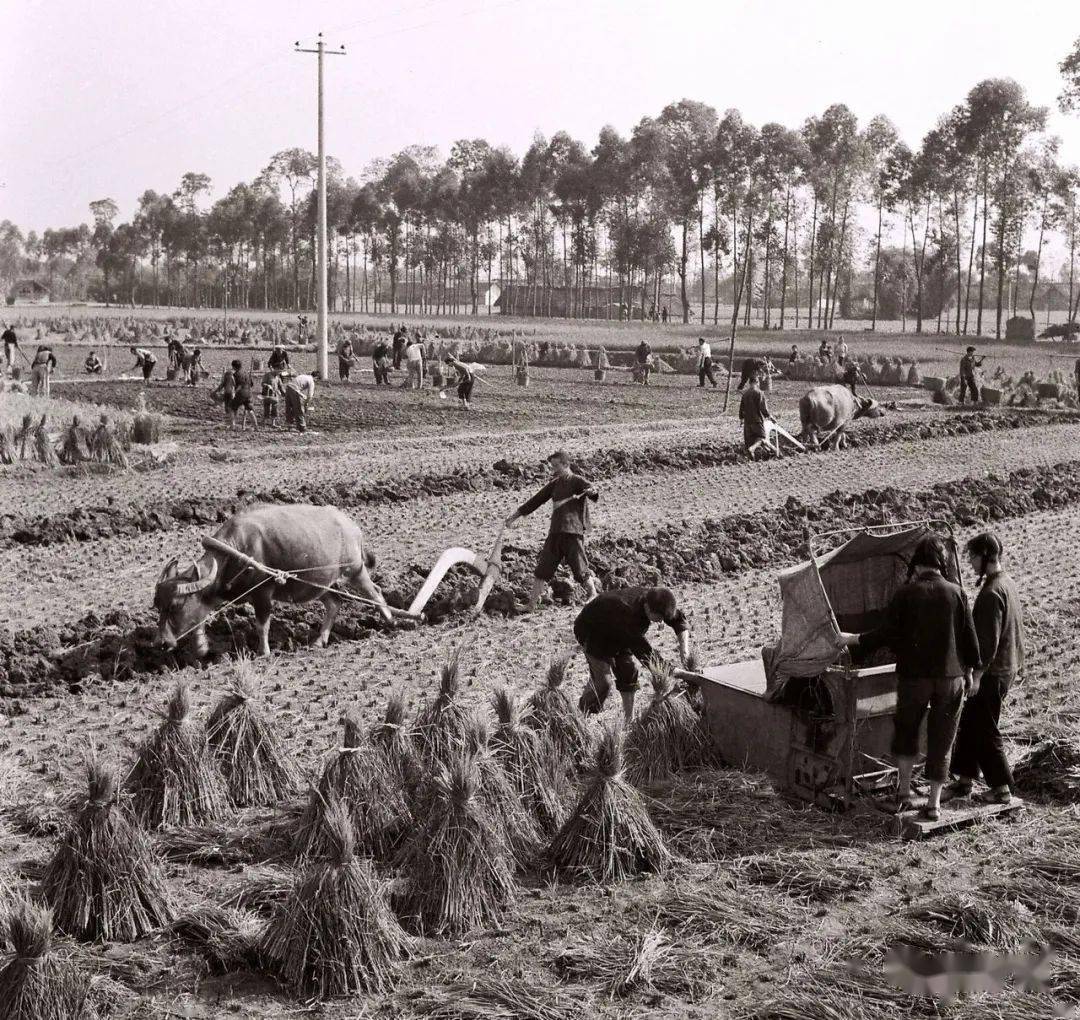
x=696 y=209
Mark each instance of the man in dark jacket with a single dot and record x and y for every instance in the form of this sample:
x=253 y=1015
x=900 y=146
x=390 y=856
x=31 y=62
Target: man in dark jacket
x=755 y=415
x=398 y=345
x=929 y=628
x=569 y=522
x=611 y=630
x=968 y=379
x=999 y=624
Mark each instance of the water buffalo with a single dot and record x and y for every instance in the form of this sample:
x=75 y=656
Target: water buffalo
x=827 y=410
x=318 y=542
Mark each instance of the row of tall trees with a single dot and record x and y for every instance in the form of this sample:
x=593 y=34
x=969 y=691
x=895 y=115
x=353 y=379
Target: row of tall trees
x=695 y=208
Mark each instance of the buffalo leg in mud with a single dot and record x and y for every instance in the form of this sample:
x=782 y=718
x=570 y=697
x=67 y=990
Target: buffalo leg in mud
x=331 y=604
x=262 y=604
x=370 y=590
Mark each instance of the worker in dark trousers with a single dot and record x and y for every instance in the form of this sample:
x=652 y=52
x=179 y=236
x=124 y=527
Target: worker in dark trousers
x=750 y=368
x=968 y=380
x=570 y=495
x=611 y=630
x=929 y=628
x=704 y=364
x=851 y=376
x=999 y=624
x=398 y=345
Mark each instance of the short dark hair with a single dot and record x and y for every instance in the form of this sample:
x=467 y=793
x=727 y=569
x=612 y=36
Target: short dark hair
x=930 y=552
x=560 y=455
x=985 y=544
x=237 y=363
x=971 y=350
x=662 y=602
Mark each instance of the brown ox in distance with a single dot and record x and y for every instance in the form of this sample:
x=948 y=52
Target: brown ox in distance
x=828 y=410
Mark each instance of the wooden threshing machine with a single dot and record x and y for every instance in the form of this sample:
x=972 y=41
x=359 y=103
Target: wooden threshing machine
x=802 y=712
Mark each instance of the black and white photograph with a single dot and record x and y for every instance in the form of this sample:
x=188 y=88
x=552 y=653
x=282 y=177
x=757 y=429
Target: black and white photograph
x=540 y=510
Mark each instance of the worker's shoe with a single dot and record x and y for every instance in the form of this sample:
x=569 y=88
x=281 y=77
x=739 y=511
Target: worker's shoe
x=930 y=814
x=1002 y=795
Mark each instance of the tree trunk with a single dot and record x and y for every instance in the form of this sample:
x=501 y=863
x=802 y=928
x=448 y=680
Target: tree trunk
x=784 y=270
x=982 y=255
x=701 y=240
x=813 y=243
x=684 y=257
x=971 y=256
x=1038 y=259
x=1003 y=226
x=877 y=262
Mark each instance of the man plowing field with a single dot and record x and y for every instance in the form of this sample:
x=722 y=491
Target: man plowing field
x=570 y=494
x=611 y=630
x=265 y=554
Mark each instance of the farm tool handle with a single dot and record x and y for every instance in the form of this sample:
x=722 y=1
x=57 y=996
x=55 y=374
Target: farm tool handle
x=282 y=576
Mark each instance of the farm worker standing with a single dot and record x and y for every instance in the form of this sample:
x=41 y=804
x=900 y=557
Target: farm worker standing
x=191 y=365
x=414 y=363
x=793 y=357
x=751 y=367
x=92 y=364
x=1076 y=372
x=237 y=386
x=279 y=359
x=602 y=365
x=841 y=351
x=271 y=397
x=928 y=625
x=299 y=392
x=399 y=345
x=11 y=344
x=41 y=370
x=611 y=630
x=145 y=360
x=851 y=376
x=968 y=364
x=569 y=494
x=1000 y=627
x=755 y=416
x=520 y=355
x=380 y=362
x=643 y=362
x=704 y=364
x=345 y=359
x=465 y=379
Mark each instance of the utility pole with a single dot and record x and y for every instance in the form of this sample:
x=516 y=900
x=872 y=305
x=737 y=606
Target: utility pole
x=320 y=291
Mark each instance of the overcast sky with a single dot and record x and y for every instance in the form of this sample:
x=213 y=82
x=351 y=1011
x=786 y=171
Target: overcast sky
x=112 y=97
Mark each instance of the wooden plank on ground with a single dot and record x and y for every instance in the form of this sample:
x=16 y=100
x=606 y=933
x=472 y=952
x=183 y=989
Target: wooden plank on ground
x=963 y=814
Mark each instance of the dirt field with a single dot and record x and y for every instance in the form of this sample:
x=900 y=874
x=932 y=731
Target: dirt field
x=805 y=890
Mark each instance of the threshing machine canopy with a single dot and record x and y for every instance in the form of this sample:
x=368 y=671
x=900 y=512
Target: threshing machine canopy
x=847 y=589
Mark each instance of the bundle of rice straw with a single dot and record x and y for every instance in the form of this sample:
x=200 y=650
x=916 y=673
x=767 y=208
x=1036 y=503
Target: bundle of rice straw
x=227 y=939
x=34 y=983
x=530 y=763
x=336 y=935
x=457 y=866
x=104 y=881
x=551 y=711
x=372 y=795
x=665 y=738
x=8 y=452
x=24 y=436
x=390 y=738
x=441 y=723
x=145 y=427
x=504 y=804
x=258 y=768
x=609 y=835
x=75 y=446
x=43 y=445
x=104 y=445
x=175 y=780
x=1050 y=771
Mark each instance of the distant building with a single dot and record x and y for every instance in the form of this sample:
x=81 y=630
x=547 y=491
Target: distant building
x=28 y=292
